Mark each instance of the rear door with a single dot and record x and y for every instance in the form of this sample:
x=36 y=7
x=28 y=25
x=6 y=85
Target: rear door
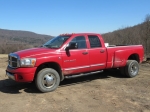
x=76 y=60
x=97 y=53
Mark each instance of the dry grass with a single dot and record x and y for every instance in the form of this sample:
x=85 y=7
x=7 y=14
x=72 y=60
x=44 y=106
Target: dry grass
x=3 y=55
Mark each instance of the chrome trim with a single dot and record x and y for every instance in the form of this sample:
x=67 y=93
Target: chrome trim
x=10 y=62
x=118 y=61
x=80 y=67
x=75 y=68
x=70 y=60
x=102 y=64
x=10 y=76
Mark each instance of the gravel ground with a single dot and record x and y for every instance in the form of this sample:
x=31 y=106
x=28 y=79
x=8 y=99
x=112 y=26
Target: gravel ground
x=103 y=92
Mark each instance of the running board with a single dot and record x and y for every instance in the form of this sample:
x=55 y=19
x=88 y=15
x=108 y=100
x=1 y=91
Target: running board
x=82 y=74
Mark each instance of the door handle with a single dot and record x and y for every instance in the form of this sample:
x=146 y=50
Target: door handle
x=102 y=51
x=85 y=53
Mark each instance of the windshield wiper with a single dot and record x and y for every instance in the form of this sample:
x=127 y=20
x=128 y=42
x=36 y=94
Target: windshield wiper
x=50 y=46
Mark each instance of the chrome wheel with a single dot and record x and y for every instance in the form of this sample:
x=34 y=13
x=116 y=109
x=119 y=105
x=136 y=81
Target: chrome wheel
x=131 y=69
x=49 y=80
x=134 y=69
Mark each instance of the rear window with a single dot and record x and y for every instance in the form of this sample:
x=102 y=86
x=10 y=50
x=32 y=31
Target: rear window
x=94 y=41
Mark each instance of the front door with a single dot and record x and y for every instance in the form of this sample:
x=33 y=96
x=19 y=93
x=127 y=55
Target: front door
x=76 y=61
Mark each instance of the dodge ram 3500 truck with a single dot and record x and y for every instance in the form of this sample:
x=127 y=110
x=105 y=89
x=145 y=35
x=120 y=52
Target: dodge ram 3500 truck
x=71 y=55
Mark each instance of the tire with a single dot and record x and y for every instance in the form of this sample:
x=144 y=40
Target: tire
x=131 y=69
x=47 y=80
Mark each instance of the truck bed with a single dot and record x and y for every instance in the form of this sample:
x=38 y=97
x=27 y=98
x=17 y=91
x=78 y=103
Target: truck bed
x=119 y=54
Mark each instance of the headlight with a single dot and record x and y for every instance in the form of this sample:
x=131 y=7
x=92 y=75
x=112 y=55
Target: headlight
x=27 y=62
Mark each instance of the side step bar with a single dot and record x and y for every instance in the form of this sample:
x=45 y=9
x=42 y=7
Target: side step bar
x=82 y=74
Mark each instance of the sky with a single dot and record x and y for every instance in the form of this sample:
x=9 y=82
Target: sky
x=54 y=17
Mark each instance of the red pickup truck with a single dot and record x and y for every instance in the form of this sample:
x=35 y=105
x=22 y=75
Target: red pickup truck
x=71 y=55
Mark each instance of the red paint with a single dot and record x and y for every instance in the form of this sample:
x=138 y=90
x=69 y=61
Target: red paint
x=27 y=74
x=77 y=62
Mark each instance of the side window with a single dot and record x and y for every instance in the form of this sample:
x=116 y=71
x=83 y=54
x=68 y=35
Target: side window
x=94 y=41
x=81 y=42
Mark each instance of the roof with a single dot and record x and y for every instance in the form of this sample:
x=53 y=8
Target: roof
x=79 y=34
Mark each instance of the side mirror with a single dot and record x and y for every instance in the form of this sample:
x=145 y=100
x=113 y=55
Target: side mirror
x=72 y=45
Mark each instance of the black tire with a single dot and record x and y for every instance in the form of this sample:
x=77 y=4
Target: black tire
x=131 y=69
x=47 y=80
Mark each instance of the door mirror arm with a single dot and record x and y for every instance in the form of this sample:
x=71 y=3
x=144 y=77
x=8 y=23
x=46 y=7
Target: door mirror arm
x=72 y=45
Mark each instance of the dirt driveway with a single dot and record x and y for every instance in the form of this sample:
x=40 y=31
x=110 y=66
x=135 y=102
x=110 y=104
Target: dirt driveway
x=103 y=92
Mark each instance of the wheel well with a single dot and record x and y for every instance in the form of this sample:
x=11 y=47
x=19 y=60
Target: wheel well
x=52 y=65
x=134 y=57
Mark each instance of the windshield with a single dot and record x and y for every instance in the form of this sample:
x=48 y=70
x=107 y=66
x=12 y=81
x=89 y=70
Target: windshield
x=56 y=42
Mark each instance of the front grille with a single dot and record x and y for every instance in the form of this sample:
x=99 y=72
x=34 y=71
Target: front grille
x=13 y=60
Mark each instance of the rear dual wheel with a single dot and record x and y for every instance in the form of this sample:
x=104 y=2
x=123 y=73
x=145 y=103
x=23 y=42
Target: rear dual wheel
x=131 y=69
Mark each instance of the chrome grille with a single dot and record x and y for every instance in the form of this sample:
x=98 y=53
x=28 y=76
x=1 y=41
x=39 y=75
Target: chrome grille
x=13 y=60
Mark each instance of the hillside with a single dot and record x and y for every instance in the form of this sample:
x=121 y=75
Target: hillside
x=135 y=35
x=20 y=40
x=11 y=40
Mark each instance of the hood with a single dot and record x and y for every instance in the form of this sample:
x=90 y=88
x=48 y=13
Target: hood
x=34 y=52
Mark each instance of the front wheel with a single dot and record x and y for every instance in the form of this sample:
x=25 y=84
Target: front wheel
x=47 y=80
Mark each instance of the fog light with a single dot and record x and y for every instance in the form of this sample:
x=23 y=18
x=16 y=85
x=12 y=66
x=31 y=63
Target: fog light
x=20 y=77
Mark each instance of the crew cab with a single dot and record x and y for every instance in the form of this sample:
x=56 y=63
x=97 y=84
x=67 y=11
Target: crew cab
x=71 y=55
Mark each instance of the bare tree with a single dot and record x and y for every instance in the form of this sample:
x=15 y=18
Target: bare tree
x=147 y=33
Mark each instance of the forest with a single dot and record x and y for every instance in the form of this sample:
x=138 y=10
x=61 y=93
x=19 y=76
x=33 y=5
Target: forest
x=12 y=40
x=135 y=35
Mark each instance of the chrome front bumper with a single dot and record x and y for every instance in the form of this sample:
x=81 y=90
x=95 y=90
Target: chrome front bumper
x=10 y=76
